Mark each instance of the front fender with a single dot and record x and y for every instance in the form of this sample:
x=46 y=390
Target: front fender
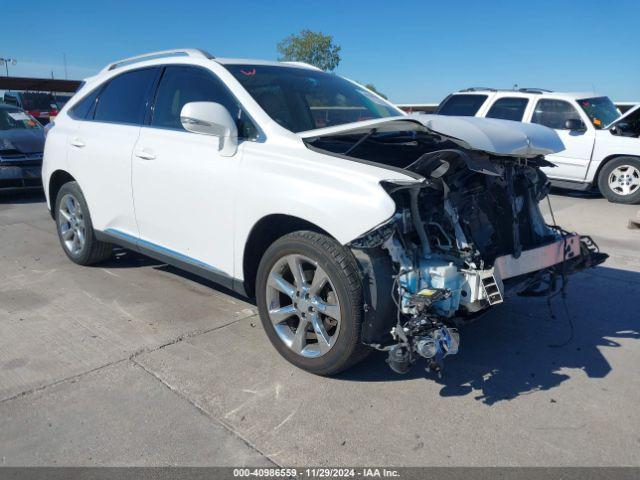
x=607 y=147
x=342 y=197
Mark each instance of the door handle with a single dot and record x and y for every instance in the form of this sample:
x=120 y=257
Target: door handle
x=76 y=142
x=143 y=154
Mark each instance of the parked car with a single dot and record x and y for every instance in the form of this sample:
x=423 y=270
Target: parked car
x=602 y=147
x=61 y=99
x=381 y=233
x=42 y=106
x=21 y=147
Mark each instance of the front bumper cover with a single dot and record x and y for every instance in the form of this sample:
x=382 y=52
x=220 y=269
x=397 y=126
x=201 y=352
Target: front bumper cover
x=18 y=177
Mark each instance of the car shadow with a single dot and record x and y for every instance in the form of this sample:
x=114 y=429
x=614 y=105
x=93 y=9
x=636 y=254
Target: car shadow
x=124 y=258
x=592 y=193
x=520 y=348
x=204 y=282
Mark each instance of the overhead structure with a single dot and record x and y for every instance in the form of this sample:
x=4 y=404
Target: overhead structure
x=38 y=84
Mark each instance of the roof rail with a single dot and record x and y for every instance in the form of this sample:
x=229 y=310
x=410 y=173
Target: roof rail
x=479 y=89
x=489 y=89
x=534 y=90
x=189 y=52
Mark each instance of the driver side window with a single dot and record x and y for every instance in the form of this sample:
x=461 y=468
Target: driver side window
x=181 y=85
x=554 y=113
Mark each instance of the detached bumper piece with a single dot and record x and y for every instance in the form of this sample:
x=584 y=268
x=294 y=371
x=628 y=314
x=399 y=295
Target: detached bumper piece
x=590 y=256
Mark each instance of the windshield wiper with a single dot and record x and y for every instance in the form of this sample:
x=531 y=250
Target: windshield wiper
x=367 y=135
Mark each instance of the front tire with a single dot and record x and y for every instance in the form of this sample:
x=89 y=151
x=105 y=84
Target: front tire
x=309 y=296
x=75 y=230
x=619 y=180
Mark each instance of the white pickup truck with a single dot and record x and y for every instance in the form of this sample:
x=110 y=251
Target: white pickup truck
x=602 y=146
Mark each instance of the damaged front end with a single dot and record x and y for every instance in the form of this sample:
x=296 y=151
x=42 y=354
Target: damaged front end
x=465 y=236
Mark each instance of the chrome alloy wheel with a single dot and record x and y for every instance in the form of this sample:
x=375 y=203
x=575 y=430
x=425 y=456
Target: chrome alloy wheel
x=624 y=180
x=71 y=224
x=303 y=305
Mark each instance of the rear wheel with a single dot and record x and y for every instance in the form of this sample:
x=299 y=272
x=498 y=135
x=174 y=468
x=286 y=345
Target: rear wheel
x=619 y=180
x=309 y=297
x=75 y=229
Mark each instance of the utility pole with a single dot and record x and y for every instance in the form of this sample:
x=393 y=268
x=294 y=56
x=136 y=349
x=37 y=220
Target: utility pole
x=6 y=62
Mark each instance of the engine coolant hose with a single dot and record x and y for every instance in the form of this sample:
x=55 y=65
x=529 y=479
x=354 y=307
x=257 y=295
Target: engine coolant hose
x=417 y=222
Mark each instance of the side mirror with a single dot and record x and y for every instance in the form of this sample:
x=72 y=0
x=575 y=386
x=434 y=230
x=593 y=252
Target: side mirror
x=574 y=124
x=210 y=118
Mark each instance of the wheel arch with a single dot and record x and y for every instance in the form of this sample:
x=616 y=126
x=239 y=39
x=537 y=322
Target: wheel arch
x=56 y=181
x=266 y=231
x=606 y=160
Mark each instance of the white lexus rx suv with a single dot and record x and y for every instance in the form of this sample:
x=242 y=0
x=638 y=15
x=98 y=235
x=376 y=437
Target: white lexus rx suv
x=602 y=146
x=354 y=226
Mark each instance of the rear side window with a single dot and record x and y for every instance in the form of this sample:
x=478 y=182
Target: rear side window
x=84 y=108
x=554 y=113
x=508 y=108
x=124 y=98
x=461 y=105
x=181 y=85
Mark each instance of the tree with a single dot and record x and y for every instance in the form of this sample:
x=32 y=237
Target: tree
x=310 y=47
x=371 y=87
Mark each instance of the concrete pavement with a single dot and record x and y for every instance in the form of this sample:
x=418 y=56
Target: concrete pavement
x=135 y=363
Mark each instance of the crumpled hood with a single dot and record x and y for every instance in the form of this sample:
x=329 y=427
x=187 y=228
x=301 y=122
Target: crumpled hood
x=629 y=114
x=24 y=140
x=497 y=137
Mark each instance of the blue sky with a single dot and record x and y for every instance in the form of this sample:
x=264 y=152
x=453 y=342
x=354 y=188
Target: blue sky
x=414 y=51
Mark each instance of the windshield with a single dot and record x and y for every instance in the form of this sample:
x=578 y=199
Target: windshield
x=16 y=119
x=600 y=110
x=301 y=99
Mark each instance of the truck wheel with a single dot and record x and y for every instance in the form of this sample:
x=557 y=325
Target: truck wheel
x=309 y=296
x=75 y=229
x=619 y=180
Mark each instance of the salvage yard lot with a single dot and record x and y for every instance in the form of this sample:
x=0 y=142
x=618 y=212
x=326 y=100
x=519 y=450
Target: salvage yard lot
x=135 y=363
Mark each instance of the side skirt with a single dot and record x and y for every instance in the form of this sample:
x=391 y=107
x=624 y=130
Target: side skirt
x=172 y=258
x=570 y=185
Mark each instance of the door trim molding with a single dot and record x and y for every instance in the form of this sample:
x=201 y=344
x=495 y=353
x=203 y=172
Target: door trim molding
x=172 y=257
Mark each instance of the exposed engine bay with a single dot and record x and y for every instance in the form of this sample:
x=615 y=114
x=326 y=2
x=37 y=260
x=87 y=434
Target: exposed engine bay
x=629 y=125
x=465 y=236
